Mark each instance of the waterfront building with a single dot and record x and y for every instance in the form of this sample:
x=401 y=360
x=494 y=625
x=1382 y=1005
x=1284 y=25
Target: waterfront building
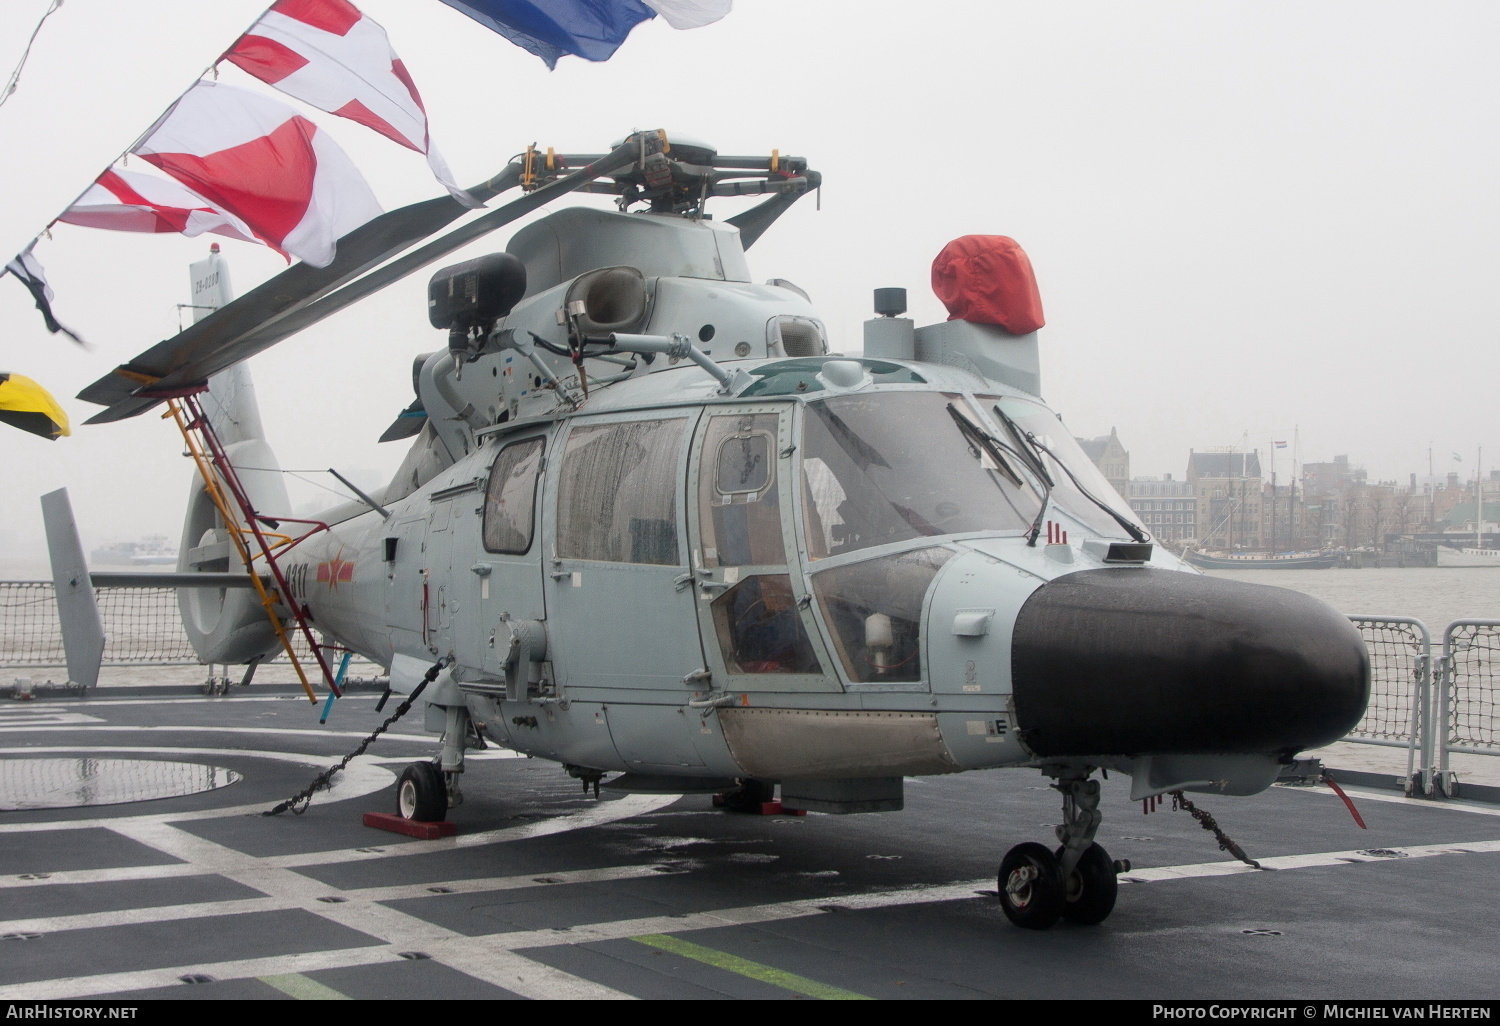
x=1228 y=487
x=1168 y=508
x=1322 y=479
x=1111 y=458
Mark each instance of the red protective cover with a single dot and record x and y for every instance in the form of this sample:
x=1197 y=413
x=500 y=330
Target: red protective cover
x=987 y=279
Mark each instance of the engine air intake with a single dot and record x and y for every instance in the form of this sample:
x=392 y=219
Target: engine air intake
x=796 y=336
x=613 y=298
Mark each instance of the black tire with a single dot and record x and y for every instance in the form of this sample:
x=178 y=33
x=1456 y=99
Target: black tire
x=421 y=795
x=1089 y=892
x=749 y=796
x=1031 y=893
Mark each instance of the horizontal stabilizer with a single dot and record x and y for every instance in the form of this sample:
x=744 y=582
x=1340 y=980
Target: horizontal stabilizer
x=77 y=609
x=407 y=423
x=169 y=579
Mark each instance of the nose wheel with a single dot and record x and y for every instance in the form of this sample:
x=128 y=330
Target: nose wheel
x=1089 y=891
x=1076 y=882
x=1031 y=892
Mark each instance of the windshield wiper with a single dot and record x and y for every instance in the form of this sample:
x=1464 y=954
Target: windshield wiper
x=1131 y=529
x=1030 y=455
x=989 y=444
x=1033 y=459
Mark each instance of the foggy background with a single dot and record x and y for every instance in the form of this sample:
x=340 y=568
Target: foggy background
x=1245 y=218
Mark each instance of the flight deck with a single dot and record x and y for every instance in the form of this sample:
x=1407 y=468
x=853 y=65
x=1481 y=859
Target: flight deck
x=548 y=892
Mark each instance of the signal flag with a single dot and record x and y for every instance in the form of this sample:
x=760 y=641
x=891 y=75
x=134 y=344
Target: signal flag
x=328 y=54
x=128 y=201
x=259 y=160
x=27 y=269
x=591 y=29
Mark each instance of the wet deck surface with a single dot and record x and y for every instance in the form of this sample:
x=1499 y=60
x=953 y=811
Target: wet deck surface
x=548 y=893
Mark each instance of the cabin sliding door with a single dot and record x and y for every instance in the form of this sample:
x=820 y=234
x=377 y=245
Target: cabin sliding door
x=752 y=607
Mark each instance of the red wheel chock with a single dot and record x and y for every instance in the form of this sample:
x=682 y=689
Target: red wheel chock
x=410 y=827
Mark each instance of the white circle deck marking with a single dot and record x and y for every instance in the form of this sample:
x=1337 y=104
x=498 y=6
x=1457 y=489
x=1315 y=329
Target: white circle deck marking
x=73 y=783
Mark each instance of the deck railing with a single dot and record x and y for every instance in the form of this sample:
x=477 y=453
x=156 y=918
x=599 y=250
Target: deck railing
x=1431 y=707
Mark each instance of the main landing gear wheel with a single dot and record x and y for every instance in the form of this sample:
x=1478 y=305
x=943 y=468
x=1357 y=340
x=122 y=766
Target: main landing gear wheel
x=1090 y=890
x=1031 y=890
x=421 y=795
x=748 y=797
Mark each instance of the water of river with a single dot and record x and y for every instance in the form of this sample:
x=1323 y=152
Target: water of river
x=1435 y=595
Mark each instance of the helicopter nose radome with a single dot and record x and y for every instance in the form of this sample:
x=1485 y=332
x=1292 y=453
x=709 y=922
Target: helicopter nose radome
x=1142 y=661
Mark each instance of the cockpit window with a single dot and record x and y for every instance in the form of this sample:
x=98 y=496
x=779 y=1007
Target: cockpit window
x=873 y=609
x=759 y=629
x=1049 y=430
x=510 y=497
x=893 y=466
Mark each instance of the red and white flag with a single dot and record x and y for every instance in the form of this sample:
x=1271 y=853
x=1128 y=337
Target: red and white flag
x=128 y=201
x=330 y=55
x=257 y=159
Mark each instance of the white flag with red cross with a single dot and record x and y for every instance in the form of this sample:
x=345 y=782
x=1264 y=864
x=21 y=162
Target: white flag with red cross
x=257 y=159
x=328 y=54
x=129 y=201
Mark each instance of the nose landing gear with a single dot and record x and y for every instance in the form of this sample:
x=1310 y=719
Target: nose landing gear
x=1076 y=882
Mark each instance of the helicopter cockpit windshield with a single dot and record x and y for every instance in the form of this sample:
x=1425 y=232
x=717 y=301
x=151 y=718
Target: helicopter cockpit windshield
x=895 y=466
x=1058 y=448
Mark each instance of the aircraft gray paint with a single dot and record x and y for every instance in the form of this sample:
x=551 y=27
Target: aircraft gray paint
x=712 y=556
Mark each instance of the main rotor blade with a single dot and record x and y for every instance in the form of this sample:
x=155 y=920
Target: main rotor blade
x=434 y=250
x=367 y=246
x=753 y=223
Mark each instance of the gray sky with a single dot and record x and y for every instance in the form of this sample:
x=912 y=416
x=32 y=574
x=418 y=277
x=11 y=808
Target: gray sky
x=1244 y=217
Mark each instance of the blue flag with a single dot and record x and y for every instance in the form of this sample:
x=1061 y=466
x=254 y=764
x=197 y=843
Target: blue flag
x=591 y=29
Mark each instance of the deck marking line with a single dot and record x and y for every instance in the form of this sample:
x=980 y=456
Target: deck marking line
x=483 y=956
x=1363 y=794
x=92 y=701
x=1330 y=858
x=239 y=969
x=10 y=719
x=605 y=812
x=393 y=735
x=400 y=930
x=116 y=875
x=486 y=885
x=303 y=988
x=750 y=915
x=132 y=916
x=744 y=967
x=399 y=892
x=757 y=914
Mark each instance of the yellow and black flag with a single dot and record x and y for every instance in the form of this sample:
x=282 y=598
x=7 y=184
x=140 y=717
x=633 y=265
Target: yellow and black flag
x=30 y=407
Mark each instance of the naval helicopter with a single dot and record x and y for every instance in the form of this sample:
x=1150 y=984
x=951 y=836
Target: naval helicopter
x=652 y=526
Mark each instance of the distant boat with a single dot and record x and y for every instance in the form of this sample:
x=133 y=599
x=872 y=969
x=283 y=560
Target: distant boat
x=1261 y=560
x=1467 y=557
x=152 y=550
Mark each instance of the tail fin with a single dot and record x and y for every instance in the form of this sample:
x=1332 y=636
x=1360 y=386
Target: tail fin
x=227 y=625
